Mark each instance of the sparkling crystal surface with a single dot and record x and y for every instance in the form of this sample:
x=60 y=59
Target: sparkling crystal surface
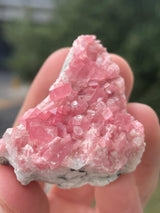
x=81 y=133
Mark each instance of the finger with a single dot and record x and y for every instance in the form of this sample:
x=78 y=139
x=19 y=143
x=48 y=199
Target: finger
x=72 y=200
x=125 y=72
x=119 y=196
x=44 y=79
x=17 y=198
x=147 y=173
x=83 y=195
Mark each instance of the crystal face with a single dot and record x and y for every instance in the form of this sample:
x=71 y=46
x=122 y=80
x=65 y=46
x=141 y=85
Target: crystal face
x=81 y=132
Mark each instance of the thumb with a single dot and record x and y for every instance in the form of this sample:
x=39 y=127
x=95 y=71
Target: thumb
x=15 y=198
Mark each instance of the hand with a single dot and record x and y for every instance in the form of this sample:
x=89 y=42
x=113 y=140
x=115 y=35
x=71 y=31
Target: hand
x=128 y=194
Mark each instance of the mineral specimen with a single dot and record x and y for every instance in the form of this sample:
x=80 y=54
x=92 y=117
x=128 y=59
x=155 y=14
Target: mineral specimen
x=81 y=132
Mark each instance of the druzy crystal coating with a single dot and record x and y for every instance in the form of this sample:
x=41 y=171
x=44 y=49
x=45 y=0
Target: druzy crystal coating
x=81 y=132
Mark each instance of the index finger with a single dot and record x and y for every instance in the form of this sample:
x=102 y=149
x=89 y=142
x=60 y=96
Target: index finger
x=47 y=74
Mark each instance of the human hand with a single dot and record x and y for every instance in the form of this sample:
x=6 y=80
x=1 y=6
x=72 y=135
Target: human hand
x=128 y=194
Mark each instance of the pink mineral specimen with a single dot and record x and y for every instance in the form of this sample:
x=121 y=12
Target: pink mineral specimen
x=81 y=132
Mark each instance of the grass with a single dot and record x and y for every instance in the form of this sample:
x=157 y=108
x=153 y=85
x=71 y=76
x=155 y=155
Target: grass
x=153 y=205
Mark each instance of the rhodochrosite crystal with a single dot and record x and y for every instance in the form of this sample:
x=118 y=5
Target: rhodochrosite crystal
x=81 y=132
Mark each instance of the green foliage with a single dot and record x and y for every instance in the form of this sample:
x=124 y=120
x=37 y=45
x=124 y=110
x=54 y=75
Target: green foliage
x=31 y=44
x=126 y=27
x=153 y=205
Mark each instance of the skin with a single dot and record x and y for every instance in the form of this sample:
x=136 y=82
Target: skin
x=128 y=194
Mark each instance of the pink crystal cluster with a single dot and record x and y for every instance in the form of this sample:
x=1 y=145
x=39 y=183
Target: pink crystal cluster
x=82 y=124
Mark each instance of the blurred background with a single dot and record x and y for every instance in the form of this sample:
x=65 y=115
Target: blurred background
x=30 y=30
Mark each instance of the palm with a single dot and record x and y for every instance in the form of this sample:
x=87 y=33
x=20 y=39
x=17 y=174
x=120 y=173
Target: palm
x=128 y=194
